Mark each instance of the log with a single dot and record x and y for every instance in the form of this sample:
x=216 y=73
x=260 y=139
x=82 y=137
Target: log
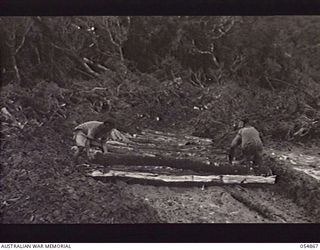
x=141 y=158
x=166 y=147
x=127 y=149
x=149 y=144
x=189 y=138
x=150 y=169
x=186 y=179
x=147 y=138
x=164 y=137
x=136 y=159
x=169 y=147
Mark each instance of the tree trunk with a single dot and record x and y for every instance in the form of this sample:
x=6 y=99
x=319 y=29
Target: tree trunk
x=121 y=53
x=185 y=179
x=135 y=159
x=15 y=68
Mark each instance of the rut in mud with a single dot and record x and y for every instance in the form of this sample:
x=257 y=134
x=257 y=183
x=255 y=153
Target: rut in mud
x=227 y=204
x=287 y=201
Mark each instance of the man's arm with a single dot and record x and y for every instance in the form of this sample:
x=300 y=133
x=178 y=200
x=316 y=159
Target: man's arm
x=92 y=137
x=261 y=136
x=94 y=133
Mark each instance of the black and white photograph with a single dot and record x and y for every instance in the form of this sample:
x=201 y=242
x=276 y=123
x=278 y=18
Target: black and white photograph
x=160 y=119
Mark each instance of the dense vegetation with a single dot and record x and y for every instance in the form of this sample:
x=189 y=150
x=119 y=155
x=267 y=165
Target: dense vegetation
x=203 y=71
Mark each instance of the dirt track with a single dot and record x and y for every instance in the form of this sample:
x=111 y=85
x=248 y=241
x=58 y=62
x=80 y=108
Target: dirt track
x=230 y=204
x=220 y=204
x=40 y=184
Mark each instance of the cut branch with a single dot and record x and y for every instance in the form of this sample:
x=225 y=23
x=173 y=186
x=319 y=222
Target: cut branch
x=84 y=73
x=98 y=65
x=87 y=67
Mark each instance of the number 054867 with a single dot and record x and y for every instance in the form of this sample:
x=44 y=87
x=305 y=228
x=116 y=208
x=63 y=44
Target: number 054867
x=308 y=245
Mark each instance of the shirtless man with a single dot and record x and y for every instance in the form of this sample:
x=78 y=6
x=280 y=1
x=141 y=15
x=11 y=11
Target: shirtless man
x=91 y=133
x=251 y=145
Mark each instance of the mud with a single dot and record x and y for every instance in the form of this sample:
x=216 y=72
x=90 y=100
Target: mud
x=232 y=204
x=293 y=199
x=303 y=187
x=41 y=184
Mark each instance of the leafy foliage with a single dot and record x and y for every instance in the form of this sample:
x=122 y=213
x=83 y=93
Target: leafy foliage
x=207 y=71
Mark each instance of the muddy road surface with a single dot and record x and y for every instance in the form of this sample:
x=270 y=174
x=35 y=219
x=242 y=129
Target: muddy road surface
x=223 y=204
x=40 y=184
x=235 y=203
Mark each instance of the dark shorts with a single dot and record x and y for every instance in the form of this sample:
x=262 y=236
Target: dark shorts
x=253 y=153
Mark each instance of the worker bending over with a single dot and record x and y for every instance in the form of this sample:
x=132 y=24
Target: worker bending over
x=249 y=140
x=92 y=133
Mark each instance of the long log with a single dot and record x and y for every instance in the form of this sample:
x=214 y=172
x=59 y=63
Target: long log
x=175 y=147
x=186 y=179
x=170 y=147
x=147 y=138
x=150 y=169
x=136 y=159
x=163 y=137
x=194 y=139
x=170 y=140
x=127 y=149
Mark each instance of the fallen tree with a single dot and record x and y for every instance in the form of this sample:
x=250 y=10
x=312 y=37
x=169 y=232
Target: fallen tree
x=185 y=179
x=135 y=159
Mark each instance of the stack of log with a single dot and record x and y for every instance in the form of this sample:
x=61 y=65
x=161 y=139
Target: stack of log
x=167 y=157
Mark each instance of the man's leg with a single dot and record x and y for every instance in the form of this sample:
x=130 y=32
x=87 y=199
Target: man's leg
x=97 y=144
x=81 y=141
x=77 y=154
x=87 y=146
x=246 y=155
x=257 y=160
